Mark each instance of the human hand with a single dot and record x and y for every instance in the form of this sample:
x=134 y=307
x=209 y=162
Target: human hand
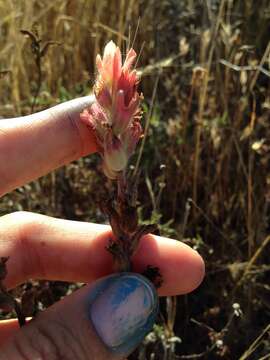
x=41 y=247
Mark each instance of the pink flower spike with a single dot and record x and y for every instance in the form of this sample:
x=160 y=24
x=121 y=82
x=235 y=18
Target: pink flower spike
x=117 y=67
x=131 y=56
x=99 y=63
x=132 y=136
x=127 y=82
x=115 y=156
x=104 y=97
x=124 y=114
x=109 y=52
x=96 y=118
x=114 y=116
x=109 y=172
x=87 y=119
x=109 y=67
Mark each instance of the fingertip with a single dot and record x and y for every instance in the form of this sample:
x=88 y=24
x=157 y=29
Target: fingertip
x=182 y=268
x=195 y=267
x=122 y=308
x=75 y=107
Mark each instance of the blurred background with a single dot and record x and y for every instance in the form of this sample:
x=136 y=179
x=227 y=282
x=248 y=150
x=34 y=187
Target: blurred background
x=205 y=69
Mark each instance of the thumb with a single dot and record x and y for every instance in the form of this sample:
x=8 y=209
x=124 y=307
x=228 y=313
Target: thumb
x=106 y=320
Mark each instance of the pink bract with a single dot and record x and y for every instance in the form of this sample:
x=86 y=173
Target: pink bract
x=114 y=116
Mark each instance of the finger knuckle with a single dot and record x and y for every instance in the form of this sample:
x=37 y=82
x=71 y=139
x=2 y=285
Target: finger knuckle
x=49 y=341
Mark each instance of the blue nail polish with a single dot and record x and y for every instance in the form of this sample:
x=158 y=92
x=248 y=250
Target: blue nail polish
x=123 y=308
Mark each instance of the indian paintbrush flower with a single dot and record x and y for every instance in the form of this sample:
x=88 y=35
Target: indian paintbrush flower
x=115 y=115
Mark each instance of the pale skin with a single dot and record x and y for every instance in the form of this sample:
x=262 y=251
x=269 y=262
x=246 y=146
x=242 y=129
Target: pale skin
x=42 y=247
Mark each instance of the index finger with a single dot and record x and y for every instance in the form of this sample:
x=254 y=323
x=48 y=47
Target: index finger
x=41 y=247
x=33 y=145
